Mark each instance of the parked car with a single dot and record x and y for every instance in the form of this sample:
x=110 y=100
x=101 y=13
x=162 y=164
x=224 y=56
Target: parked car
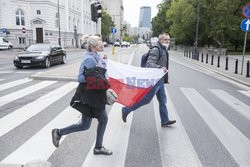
x=105 y=44
x=84 y=45
x=40 y=55
x=117 y=44
x=125 y=44
x=5 y=44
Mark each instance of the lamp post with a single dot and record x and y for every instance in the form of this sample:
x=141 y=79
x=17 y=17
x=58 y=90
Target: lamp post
x=195 y=54
x=59 y=27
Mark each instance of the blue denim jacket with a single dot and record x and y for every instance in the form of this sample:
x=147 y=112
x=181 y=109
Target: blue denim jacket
x=89 y=62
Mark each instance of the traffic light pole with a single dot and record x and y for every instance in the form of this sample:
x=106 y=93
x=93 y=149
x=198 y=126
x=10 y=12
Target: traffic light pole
x=98 y=26
x=59 y=27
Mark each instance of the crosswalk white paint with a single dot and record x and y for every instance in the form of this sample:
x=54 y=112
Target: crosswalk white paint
x=17 y=117
x=115 y=139
x=237 y=105
x=2 y=79
x=14 y=83
x=40 y=145
x=234 y=141
x=175 y=146
x=23 y=92
x=245 y=92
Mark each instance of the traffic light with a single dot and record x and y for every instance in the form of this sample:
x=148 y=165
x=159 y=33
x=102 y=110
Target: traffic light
x=96 y=11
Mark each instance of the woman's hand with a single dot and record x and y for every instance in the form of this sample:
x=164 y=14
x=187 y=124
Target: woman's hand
x=105 y=57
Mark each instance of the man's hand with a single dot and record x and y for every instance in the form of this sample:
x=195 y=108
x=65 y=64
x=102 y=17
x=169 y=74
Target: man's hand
x=165 y=69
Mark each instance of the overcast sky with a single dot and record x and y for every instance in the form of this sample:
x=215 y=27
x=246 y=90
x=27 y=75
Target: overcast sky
x=132 y=9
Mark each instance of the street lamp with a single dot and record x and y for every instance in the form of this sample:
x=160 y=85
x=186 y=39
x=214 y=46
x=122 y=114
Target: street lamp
x=59 y=27
x=195 y=52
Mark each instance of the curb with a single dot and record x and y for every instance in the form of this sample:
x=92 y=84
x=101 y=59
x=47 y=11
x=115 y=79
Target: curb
x=68 y=79
x=225 y=75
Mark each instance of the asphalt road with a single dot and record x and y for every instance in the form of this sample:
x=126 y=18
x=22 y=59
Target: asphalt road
x=212 y=116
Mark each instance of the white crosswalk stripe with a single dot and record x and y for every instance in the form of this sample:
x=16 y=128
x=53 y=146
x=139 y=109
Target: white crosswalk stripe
x=2 y=79
x=17 y=117
x=23 y=92
x=40 y=146
x=245 y=92
x=175 y=146
x=233 y=140
x=14 y=83
x=240 y=107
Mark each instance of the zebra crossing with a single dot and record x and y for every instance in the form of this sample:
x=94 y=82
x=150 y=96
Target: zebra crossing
x=176 y=148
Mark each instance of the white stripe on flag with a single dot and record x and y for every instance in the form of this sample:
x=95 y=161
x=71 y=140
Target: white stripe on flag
x=116 y=138
x=14 y=83
x=175 y=146
x=234 y=141
x=40 y=145
x=19 y=116
x=237 y=105
x=23 y=92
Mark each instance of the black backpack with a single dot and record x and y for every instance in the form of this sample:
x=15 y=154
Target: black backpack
x=144 y=57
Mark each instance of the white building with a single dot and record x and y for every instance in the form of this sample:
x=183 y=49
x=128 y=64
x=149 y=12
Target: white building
x=40 y=20
x=115 y=9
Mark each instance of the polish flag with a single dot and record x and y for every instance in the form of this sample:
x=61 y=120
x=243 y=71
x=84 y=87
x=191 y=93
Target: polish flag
x=131 y=83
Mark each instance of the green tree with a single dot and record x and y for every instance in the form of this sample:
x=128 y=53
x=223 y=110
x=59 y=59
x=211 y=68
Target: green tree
x=106 y=25
x=159 y=22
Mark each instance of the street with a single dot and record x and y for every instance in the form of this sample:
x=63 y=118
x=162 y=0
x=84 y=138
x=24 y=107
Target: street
x=212 y=113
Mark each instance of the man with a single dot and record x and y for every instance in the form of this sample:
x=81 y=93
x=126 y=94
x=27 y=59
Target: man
x=158 y=58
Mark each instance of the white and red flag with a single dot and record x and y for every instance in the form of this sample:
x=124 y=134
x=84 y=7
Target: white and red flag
x=131 y=83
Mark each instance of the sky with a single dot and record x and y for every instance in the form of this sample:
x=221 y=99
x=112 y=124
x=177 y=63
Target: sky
x=132 y=9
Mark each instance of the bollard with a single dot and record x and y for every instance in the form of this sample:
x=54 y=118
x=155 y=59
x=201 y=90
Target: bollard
x=212 y=60
x=218 y=62
x=202 y=57
x=207 y=58
x=189 y=54
x=236 y=67
x=198 y=56
x=226 y=68
x=248 y=66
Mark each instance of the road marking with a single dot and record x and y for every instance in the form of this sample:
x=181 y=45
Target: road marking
x=246 y=93
x=19 y=116
x=116 y=138
x=175 y=146
x=23 y=92
x=5 y=72
x=14 y=83
x=234 y=141
x=40 y=145
x=2 y=79
x=237 y=105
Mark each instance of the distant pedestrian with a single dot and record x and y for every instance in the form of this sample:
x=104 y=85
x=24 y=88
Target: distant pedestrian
x=94 y=108
x=158 y=58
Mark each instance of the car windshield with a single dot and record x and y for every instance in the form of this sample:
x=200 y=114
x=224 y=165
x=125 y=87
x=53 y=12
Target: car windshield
x=39 y=48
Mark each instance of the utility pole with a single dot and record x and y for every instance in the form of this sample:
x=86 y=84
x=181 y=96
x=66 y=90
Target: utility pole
x=59 y=27
x=195 y=55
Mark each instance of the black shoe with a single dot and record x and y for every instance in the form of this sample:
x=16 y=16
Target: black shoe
x=103 y=151
x=170 y=122
x=56 y=137
x=124 y=114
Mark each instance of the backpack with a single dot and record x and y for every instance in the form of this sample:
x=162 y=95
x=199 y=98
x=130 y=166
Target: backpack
x=144 y=57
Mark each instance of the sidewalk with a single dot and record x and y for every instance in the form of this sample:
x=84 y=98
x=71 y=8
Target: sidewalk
x=221 y=69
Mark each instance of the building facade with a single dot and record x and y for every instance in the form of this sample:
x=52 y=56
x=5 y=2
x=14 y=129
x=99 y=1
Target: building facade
x=115 y=9
x=40 y=19
x=145 y=17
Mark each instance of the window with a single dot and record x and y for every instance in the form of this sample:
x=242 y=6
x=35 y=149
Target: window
x=20 y=17
x=57 y=20
x=4 y=40
x=38 y=12
x=21 y=40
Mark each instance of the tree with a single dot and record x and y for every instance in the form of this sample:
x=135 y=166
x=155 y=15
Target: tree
x=159 y=22
x=106 y=25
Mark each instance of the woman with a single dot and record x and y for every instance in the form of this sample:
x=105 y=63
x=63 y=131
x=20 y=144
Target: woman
x=91 y=60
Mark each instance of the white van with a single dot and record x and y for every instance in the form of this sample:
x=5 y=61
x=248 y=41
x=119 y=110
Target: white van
x=5 y=44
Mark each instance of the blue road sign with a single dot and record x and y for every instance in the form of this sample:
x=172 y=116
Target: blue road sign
x=113 y=30
x=245 y=25
x=246 y=10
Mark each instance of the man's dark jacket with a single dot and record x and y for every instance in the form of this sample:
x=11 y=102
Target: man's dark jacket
x=157 y=60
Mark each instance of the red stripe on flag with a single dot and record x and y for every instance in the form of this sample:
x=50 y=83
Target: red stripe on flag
x=127 y=94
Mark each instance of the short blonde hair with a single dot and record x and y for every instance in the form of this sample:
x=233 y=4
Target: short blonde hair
x=92 y=41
